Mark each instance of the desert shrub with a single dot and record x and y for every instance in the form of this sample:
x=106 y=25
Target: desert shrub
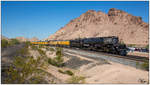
x=147 y=47
x=145 y=65
x=68 y=72
x=41 y=52
x=14 y=42
x=52 y=62
x=56 y=62
x=76 y=80
x=41 y=46
x=27 y=43
x=51 y=49
x=23 y=52
x=20 y=71
x=61 y=71
x=25 y=70
x=4 y=43
x=59 y=52
x=131 y=45
x=34 y=47
x=59 y=59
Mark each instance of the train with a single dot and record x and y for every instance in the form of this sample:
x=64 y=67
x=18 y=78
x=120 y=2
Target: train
x=104 y=44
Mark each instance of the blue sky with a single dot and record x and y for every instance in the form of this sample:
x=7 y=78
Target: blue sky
x=43 y=18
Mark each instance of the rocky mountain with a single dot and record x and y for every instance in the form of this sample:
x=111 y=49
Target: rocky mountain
x=23 y=39
x=34 y=39
x=130 y=29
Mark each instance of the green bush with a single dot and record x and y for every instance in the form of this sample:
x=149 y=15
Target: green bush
x=14 y=42
x=52 y=62
x=59 y=59
x=61 y=71
x=51 y=49
x=56 y=62
x=41 y=52
x=76 y=80
x=69 y=72
x=34 y=47
x=28 y=43
x=147 y=47
x=24 y=51
x=131 y=45
x=4 y=43
x=41 y=46
x=22 y=68
x=145 y=65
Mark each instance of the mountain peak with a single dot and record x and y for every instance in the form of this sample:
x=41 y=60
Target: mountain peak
x=130 y=29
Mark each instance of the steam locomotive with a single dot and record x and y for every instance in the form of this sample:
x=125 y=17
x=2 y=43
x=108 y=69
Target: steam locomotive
x=105 y=44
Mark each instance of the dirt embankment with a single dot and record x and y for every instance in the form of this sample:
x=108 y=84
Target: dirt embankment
x=97 y=71
x=88 y=70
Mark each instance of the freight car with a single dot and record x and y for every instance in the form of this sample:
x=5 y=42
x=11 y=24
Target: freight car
x=105 y=44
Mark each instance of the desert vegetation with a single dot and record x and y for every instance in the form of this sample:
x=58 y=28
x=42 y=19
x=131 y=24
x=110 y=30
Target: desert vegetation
x=58 y=60
x=145 y=65
x=5 y=43
x=68 y=72
x=26 y=69
x=76 y=80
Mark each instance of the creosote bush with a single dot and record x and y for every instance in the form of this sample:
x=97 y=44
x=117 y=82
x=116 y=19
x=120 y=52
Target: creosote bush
x=147 y=47
x=23 y=70
x=58 y=60
x=145 y=65
x=4 y=43
x=41 y=52
x=34 y=47
x=23 y=52
x=13 y=42
x=68 y=72
x=51 y=49
x=76 y=80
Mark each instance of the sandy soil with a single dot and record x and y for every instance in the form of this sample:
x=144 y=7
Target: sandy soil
x=139 y=54
x=95 y=73
x=114 y=73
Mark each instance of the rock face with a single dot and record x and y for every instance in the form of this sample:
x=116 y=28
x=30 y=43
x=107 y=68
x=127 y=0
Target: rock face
x=34 y=39
x=130 y=29
x=23 y=39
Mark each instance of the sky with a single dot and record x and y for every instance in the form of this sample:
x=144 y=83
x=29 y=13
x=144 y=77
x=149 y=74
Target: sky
x=43 y=18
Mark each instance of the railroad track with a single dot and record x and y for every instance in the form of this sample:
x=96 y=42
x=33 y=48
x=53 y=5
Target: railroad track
x=133 y=61
x=129 y=57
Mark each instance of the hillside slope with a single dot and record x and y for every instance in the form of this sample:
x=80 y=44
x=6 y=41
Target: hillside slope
x=130 y=29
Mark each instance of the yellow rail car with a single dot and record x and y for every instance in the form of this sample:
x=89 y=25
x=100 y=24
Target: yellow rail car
x=40 y=42
x=55 y=43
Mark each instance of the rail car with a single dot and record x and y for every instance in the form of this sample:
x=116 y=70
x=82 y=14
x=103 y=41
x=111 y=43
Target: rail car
x=106 y=44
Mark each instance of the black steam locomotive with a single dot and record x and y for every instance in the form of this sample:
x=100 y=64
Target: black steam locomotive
x=104 y=44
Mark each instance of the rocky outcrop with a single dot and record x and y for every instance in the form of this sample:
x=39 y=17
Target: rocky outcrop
x=23 y=39
x=34 y=39
x=130 y=29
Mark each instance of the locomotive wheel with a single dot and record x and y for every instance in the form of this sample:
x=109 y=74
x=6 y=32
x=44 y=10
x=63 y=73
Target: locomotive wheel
x=123 y=53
